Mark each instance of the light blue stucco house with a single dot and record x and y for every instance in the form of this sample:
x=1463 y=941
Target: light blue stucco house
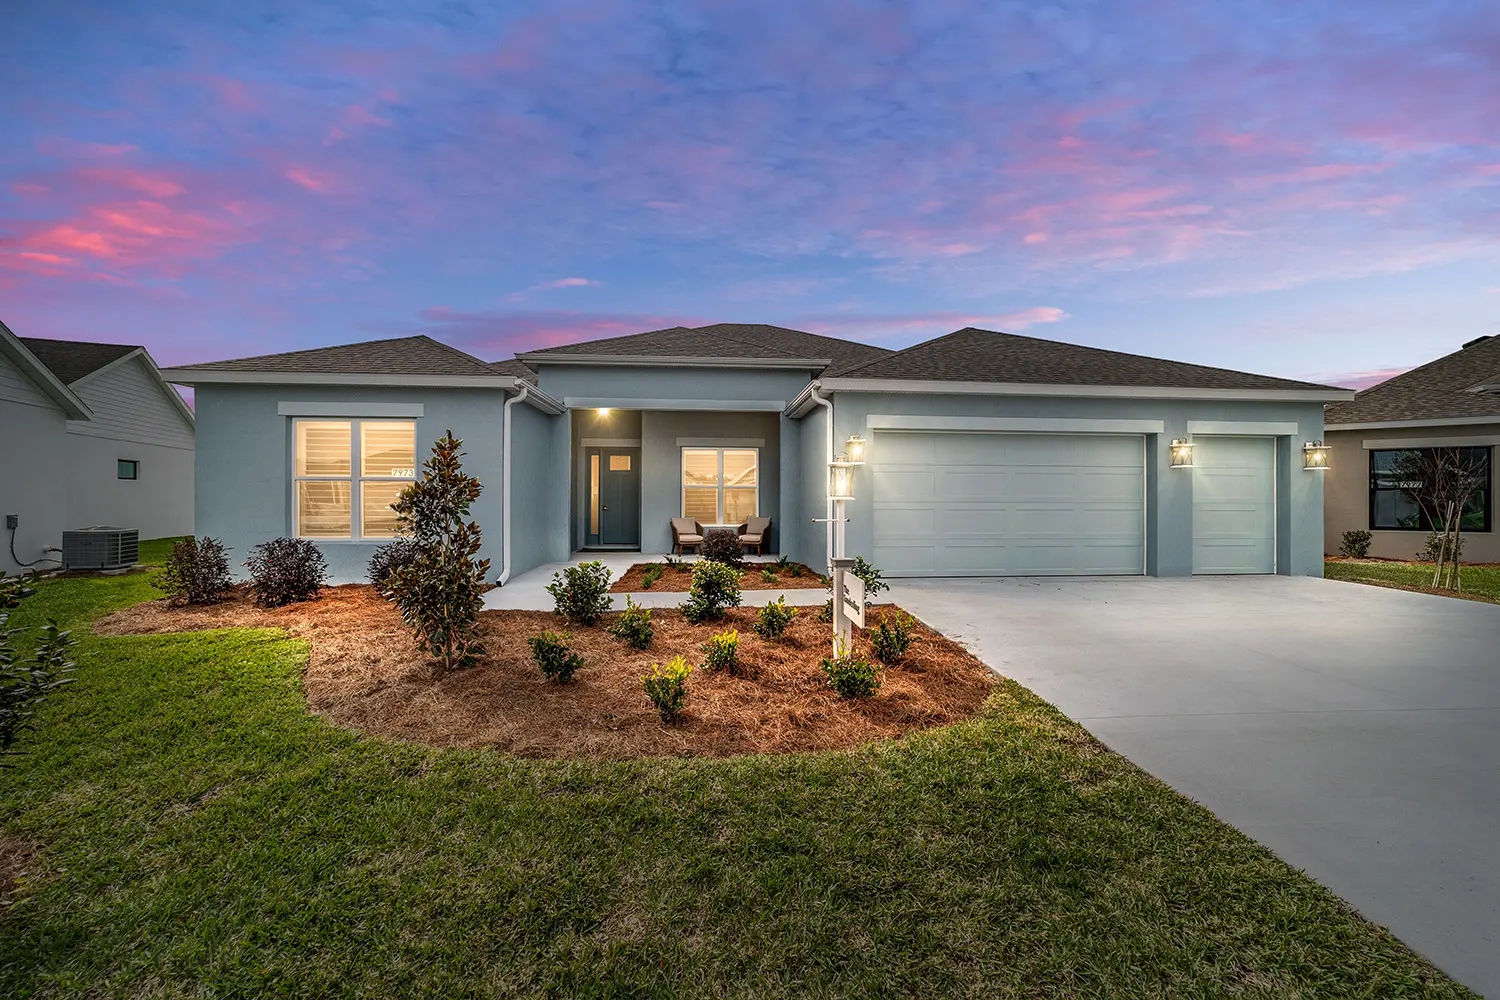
x=986 y=454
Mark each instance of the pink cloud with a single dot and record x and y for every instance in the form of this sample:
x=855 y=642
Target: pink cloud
x=308 y=179
x=1361 y=380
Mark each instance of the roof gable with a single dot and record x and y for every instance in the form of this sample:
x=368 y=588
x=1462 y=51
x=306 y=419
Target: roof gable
x=975 y=355
x=71 y=360
x=32 y=368
x=1448 y=387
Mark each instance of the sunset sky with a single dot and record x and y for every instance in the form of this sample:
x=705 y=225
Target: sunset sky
x=1308 y=189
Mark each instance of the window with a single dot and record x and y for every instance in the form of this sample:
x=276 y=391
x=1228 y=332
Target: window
x=1391 y=510
x=127 y=468
x=328 y=490
x=720 y=485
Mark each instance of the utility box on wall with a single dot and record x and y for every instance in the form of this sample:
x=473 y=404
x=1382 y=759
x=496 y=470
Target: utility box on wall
x=101 y=547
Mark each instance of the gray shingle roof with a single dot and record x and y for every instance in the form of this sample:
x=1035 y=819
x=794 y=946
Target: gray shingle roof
x=1435 y=391
x=420 y=355
x=723 y=340
x=71 y=360
x=514 y=367
x=973 y=355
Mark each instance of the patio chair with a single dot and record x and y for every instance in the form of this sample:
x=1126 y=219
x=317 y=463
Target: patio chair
x=754 y=532
x=686 y=534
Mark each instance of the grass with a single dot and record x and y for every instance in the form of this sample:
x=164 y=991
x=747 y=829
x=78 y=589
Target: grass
x=1480 y=582
x=202 y=835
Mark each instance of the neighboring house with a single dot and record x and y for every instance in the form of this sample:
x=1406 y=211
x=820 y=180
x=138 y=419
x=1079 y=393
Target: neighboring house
x=1451 y=402
x=988 y=454
x=122 y=455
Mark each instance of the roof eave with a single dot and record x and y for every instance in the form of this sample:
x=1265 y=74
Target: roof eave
x=208 y=376
x=1322 y=394
x=673 y=361
x=1376 y=425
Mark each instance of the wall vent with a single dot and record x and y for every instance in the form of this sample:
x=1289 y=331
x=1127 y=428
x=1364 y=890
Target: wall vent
x=101 y=547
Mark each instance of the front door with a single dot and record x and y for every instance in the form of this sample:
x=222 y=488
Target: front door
x=614 y=497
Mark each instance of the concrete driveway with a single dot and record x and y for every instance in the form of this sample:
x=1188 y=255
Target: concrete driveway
x=1353 y=730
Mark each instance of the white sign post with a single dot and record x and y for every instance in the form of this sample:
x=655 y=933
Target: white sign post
x=843 y=638
x=854 y=599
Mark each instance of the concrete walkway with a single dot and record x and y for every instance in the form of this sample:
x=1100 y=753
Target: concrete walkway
x=528 y=591
x=1353 y=730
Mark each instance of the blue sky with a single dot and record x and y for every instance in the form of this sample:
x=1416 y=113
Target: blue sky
x=1305 y=189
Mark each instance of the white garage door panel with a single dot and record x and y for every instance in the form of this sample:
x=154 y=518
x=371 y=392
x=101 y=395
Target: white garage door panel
x=1234 y=505
x=1008 y=505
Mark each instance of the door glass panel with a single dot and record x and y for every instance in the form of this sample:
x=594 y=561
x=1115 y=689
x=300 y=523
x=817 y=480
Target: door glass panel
x=619 y=463
x=739 y=468
x=323 y=448
x=593 y=494
x=377 y=520
x=323 y=509
x=700 y=468
x=388 y=448
x=701 y=505
x=738 y=505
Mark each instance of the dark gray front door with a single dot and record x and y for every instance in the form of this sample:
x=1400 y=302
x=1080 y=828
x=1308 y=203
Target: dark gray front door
x=614 y=496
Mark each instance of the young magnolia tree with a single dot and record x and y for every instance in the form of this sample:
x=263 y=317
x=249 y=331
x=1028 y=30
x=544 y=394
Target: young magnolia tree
x=1442 y=482
x=26 y=681
x=441 y=591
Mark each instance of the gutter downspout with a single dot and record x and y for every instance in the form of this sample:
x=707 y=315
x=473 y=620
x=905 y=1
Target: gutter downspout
x=505 y=482
x=828 y=502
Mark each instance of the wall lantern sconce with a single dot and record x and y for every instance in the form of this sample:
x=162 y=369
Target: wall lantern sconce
x=1182 y=453
x=1315 y=456
x=841 y=479
x=854 y=450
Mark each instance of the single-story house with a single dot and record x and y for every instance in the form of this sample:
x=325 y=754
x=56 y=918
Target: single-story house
x=92 y=435
x=986 y=453
x=1451 y=402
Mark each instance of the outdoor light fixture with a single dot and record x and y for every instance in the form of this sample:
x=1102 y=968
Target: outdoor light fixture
x=855 y=450
x=603 y=411
x=1182 y=453
x=841 y=479
x=1315 y=456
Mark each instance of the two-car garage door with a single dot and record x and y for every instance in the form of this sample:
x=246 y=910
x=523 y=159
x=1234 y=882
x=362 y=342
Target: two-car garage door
x=980 y=504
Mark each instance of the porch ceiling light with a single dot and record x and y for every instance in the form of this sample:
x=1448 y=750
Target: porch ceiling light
x=855 y=450
x=1182 y=453
x=841 y=479
x=603 y=411
x=1315 y=456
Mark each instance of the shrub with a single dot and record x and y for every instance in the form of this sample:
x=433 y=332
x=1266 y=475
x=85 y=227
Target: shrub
x=554 y=654
x=651 y=575
x=794 y=570
x=24 y=684
x=441 y=592
x=722 y=651
x=581 y=592
x=825 y=613
x=784 y=563
x=12 y=590
x=1441 y=545
x=851 y=676
x=715 y=587
x=1355 y=543
x=633 y=625
x=196 y=572
x=892 y=637
x=722 y=545
x=389 y=558
x=774 y=619
x=871 y=577
x=285 y=571
x=666 y=686
x=767 y=576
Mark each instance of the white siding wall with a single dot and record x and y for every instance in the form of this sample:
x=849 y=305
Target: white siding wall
x=32 y=467
x=16 y=387
x=128 y=405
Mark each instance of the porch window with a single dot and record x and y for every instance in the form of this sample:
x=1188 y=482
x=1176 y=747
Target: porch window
x=720 y=485
x=344 y=465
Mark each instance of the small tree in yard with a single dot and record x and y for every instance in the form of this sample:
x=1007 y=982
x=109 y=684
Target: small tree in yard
x=1442 y=482
x=441 y=592
x=26 y=682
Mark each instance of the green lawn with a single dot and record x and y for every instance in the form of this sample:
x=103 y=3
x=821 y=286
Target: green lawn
x=1479 y=581
x=201 y=835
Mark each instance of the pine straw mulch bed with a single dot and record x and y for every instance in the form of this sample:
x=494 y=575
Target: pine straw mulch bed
x=364 y=673
x=679 y=577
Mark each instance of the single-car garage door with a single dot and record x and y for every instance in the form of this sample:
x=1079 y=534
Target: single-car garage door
x=1234 y=505
x=977 y=504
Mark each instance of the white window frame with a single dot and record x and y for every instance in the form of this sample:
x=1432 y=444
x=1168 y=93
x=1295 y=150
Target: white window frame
x=356 y=478
x=683 y=488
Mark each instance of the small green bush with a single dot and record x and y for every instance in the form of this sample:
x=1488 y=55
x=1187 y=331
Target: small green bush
x=851 y=676
x=196 y=572
x=633 y=625
x=286 y=571
x=825 y=613
x=666 y=686
x=892 y=637
x=783 y=563
x=581 y=593
x=554 y=654
x=722 y=545
x=25 y=684
x=651 y=575
x=1441 y=545
x=767 y=576
x=794 y=571
x=774 y=618
x=871 y=577
x=1355 y=543
x=716 y=586
x=722 y=651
